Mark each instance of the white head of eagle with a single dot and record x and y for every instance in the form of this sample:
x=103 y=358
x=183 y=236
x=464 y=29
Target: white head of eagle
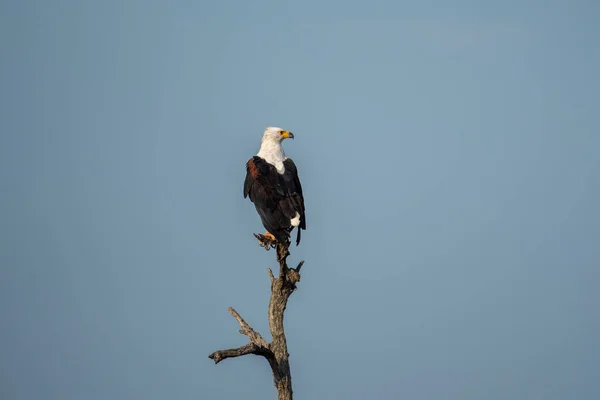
x=273 y=185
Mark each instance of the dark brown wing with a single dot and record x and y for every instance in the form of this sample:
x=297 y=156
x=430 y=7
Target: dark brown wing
x=265 y=188
x=277 y=197
x=293 y=189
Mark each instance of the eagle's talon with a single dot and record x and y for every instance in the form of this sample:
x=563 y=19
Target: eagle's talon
x=264 y=242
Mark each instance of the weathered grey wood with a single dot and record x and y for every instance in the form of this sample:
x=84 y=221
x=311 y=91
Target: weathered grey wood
x=249 y=348
x=275 y=352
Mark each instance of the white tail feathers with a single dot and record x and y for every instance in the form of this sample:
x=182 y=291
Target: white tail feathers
x=296 y=220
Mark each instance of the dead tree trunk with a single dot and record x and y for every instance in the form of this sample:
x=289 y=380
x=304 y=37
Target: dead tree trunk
x=275 y=352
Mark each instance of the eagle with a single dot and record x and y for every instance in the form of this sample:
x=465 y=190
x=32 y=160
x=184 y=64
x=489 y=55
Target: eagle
x=273 y=185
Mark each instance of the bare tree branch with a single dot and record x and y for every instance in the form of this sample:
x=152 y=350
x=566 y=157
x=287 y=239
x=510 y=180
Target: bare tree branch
x=275 y=352
x=270 y=275
x=247 y=330
x=249 y=348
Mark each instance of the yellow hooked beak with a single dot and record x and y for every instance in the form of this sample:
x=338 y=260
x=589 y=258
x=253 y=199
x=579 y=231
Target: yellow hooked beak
x=287 y=135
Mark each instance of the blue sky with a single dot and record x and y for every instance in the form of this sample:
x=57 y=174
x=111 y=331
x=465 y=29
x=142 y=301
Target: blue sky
x=449 y=157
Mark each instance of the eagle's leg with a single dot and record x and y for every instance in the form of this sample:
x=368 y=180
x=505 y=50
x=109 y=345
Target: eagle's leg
x=267 y=240
x=270 y=236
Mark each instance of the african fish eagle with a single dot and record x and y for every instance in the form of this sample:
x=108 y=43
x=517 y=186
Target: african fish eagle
x=273 y=186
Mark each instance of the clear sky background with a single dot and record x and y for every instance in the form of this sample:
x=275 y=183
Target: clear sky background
x=449 y=153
